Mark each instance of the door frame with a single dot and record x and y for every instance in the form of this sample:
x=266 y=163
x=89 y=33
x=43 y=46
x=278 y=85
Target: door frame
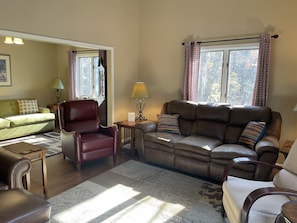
x=110 y=61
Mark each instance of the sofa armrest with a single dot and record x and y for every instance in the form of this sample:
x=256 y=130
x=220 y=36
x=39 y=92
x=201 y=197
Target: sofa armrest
x=13 y=168
x=44 y=110
x=140 y=129
x=247 y=160
x=267 y=144
x=261 y=192
x=267 y=150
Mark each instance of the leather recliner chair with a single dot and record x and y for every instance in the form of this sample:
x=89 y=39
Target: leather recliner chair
x=16 y=203
x=83 y=138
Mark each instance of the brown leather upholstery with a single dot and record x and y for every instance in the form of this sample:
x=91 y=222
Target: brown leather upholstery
x=83 y=138
x=209 y=139
x=12 y=169
x=21 y=206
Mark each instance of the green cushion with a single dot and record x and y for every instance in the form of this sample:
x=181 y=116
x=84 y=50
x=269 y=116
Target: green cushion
x=4 y=123
x=19 y=120
x=9 y=107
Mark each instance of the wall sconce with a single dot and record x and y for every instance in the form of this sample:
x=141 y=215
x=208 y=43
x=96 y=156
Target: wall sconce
x=139 y=93
x=58 y=86
x=9 y=40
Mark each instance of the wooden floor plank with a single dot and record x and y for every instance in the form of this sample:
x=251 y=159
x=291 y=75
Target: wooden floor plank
x=62 y=174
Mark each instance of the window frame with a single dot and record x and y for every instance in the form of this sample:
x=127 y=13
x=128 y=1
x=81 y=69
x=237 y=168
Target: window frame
x=77 y=79
x=226 y=48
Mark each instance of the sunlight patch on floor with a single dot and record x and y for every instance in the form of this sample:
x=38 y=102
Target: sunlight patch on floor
x=148 y=209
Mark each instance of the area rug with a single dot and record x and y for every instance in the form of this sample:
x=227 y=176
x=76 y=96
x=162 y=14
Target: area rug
x=49 y=140
x=142 y=193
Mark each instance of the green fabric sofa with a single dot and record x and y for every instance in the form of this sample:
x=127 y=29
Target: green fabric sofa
x=13 y=124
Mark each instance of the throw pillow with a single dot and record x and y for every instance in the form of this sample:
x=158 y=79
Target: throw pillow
x=252 y=133
x=168 y=123
x=28 y=106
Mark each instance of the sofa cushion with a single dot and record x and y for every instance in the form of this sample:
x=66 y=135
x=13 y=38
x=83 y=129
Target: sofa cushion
x=168 y=123
x=243 y=115
x=27 y=119
x=230 y=151
x=4 y=123
x=209 y=128
x=28 y=106
x=219 y=113
x=185 y=109
x=162 y=138
x=285 y=179
x=202 y=145
x=252 y=133
x=6 y=108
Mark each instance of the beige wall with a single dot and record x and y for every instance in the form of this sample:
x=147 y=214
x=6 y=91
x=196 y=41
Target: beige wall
x=165 y=24
x=147 y=36
x=111 y=23
x=33 y=68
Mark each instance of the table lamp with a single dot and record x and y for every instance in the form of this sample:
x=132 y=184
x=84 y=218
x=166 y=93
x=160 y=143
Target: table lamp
x=140 y=93
x=58 y=86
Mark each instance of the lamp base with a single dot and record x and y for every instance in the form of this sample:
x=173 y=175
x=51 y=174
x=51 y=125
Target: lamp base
x=140 y=117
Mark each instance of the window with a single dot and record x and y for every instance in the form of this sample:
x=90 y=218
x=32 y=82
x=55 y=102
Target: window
x=90 y=78
x=227 y=74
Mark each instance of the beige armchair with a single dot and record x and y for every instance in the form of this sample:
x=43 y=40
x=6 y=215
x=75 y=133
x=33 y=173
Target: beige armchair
x=260 y=201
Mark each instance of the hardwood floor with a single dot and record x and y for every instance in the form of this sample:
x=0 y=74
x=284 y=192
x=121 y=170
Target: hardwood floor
x=62 y=175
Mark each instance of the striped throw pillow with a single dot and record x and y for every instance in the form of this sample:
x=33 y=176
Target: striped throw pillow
x=168 y=123
x=252 y=133
x=28 y=106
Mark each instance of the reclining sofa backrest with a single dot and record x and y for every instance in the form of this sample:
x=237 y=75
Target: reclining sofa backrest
x=223 y=122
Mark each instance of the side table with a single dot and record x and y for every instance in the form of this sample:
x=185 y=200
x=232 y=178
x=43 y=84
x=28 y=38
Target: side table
x=286 y=147
x=34 y=153
x=288 y=213
x=127 y=136
x=54 y=109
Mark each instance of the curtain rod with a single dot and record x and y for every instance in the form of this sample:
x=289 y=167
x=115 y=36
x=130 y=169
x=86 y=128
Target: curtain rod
x=223 y=40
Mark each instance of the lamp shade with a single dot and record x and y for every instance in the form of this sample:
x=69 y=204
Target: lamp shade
x=140 y=91
x=57 y=84
x=18 y=41
x=8 y=40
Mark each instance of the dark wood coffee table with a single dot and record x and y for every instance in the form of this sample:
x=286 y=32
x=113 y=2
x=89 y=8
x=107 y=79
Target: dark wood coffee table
x=34 y=153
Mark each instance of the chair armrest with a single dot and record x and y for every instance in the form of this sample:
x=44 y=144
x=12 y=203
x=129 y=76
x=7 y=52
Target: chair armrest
x=44 y=110
x=13 y=168
x=246 y=160
x=261 y=192
x=108 y=130
x=113 y=132
x=69 y=141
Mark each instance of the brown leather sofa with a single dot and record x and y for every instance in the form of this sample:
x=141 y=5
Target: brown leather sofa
x=16 y=203
x=209 y=139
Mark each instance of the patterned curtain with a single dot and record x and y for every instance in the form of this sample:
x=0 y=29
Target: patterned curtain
x=191 y=71
x=71 y=74
x=261 y=89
